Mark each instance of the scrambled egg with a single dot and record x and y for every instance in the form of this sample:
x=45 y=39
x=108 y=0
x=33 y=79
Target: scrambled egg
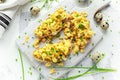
x=79 y=31
x=53 y=53
x=27 y=38
x=52 y=25
x=52 y=70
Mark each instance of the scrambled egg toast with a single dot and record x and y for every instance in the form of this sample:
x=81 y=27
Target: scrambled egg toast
x=77 y=31
x=53 y=53
x=52 y=25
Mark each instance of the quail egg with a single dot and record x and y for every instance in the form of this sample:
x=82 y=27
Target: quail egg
x=34 y=10
x=98 y=17
x=1 y=1
x=104 y=25
x=95 y=57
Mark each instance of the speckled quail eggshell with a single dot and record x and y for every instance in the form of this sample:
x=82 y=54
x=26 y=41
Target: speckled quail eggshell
x=34 y=10
x=95 y=57
x=104 y=25
x=98 y=17
x=1 y=1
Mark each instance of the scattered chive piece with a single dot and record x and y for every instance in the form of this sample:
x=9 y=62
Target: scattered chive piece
x=110 y=30
x=79 y=71
x=28 y=46
x=39 y=69
x=16 y=60
x=51 y=42
x=30 y=68
x=19 y=37
x=58 y=73
x=23 y=75
x=25 y=33
x=112 y=45
x=32 y=0
x=30 y=73
x=93 y=44
x=70 y=58
x=103 y=78
x=40 y=20
x=32 y=37
x=58 y=35
x=90 y=1
x=59 y=16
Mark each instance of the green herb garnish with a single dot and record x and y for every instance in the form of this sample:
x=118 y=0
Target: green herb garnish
x=81 y=26
x=48 y=52
x=76 y=15
x=40 y=20
x=93 y=44
x=23 y=75
x=58 y=35
x=90 y=70
x=59 y=16
x=81 y=38
x=32 y=0
x=53 y=49
x=46 y=2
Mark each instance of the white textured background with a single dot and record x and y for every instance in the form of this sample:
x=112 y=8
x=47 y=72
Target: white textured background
x=10 y=69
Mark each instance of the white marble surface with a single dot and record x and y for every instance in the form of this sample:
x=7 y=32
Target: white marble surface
x=10 y=66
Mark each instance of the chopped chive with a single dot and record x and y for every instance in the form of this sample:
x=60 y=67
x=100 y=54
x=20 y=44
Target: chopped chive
x=28 y=46
x=32 y=37
x=51 y=42
x=110 y=30
x=103 y=78
x=48 y=52
x=58 y=35
x=81 y=26
x=91 y=1
x=30 y=68
x=112 y=45
x=58 y=73
x=79 y=71
x=70 y=58
x=23 y=75
x=25 y=33
x=19 y=37
x=16 y=60
x=81 y=38
x=32 y=0
x=76 y=15
x=52 y=49
x=93 y=44
x=39 y=69
x=40 y=20
x=59 y=16
x=30 y=73
x=48 y=14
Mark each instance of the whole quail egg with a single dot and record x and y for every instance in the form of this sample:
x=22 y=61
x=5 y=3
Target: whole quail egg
x=34 y=10
x=104 y=25
x=98 y=17
x=95 y=57
x=1 y=1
